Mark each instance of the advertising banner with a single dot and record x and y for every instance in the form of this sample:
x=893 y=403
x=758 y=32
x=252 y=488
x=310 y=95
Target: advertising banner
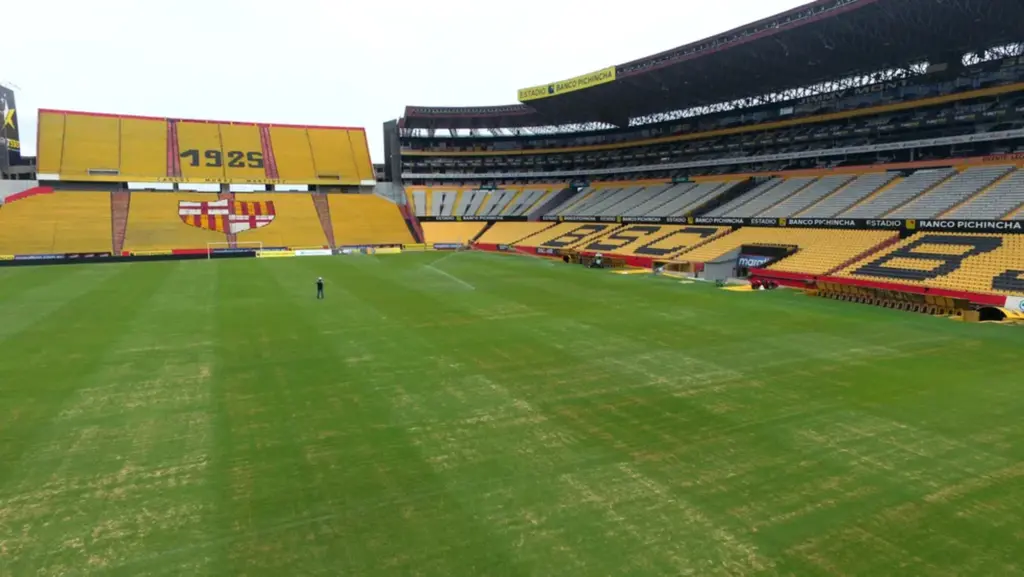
x=1015 y=303
x=446 y=246
x=596 y=78
x=314 y=252
x=39 y=257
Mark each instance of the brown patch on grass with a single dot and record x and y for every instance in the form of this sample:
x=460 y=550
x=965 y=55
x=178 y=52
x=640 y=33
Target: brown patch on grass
x=952 y=492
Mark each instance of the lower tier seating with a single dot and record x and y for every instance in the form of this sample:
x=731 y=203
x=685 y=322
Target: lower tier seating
x=653 y=240
x=819 y=250
x=154 y=224
x=969 y=262
x=511 y=232
x=59 y=222
x=295 y=224
x=367 y=219
x=451 y=232
x=568 y=235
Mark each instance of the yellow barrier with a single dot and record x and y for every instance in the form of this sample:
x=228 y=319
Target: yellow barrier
x=386 y=250
x=274 y=253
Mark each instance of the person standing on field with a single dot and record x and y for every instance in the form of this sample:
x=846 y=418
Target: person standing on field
x=319 y=287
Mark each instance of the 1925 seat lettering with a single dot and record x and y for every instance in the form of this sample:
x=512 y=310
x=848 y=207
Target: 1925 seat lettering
x=215 y=159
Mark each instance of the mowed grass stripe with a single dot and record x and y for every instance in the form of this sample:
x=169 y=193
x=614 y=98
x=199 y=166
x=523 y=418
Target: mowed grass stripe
x=118 y=471
x=552 y=420
x=318 y=469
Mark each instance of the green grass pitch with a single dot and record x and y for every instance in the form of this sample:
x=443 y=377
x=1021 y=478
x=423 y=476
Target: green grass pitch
x=470 y=414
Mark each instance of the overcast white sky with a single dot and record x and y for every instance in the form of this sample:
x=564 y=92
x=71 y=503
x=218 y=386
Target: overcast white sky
x=328 y=62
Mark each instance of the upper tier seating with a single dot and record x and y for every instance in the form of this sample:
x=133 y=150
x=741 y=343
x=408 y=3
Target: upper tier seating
x=951 y=192
x=693 y=197
x=820 y=250
x=998 y=201
x=818 y=190
x=117 y=149
x=55 y=223
x=451 y=232
x=772 y=197
x=889 y=199
x=969 y=262
x=359 y=219
x=750 y=195
x=863 y=186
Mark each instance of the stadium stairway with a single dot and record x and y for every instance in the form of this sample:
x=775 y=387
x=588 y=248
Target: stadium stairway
x=415 y=227
x=229 y=196
x=367 y=219
x=548 y=203
x=120 y=204
x=58 y=222
x=323 y=212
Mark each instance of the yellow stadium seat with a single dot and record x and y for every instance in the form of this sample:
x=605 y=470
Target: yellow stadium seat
x=154 y=224
x=361 y=154
x=568 y=235
x=144 y=149
x=820 y=250
x=451 y=232
x=333 y=156
x=56 y=223
x=243 y=152
x=512 y=232
x=653 y=240
x=200 y=151
x=295 y=224
x=51 y=142
x=362 y=219
x=967 y=262
x=293 y=154
x=92 y=144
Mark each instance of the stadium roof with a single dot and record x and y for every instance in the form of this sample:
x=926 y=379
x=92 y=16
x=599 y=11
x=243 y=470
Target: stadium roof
x=810 y=45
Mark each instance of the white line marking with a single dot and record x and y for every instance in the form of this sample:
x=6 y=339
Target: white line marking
x=452 y=277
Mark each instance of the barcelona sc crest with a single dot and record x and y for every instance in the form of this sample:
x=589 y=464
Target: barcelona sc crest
x=229 y=216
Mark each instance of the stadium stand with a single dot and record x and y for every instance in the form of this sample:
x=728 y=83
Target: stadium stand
x=567 y=235
x=295 y=224
x=113 y=148
x=951 y=192
x=862 y=187
x=146 y=156
x=366 y=219
x=451 y=232
x=154 y=224
x=59 y=222
x=886 y=200
x=818 y=190
x=819 y=251
x=509 y=233
x=771 y=197
x=1000 y=200
x=653 y=240
x=968 y=262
